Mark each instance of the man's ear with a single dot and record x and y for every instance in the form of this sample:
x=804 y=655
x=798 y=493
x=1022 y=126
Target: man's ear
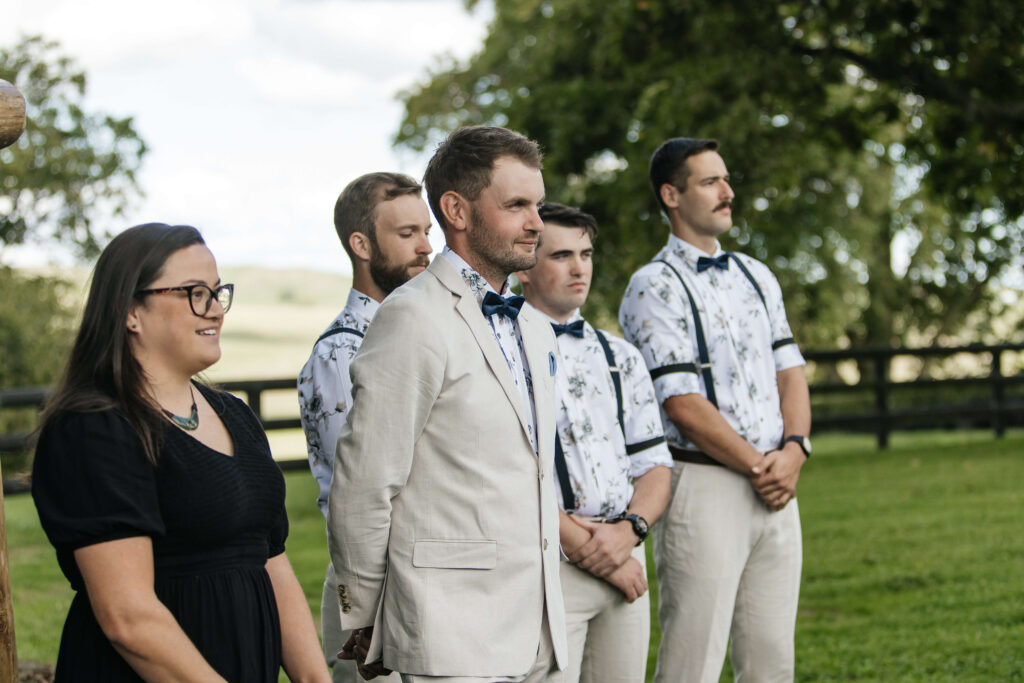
x=360 y=245
x=455 y=209
x=669 y=195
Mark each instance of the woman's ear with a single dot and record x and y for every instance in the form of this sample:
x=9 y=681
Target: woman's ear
x=133 y=322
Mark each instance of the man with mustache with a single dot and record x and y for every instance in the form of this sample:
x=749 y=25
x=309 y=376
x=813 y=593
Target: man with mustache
x=712 y=329
x=442 y=518
x=383 y=224
x=611 y=463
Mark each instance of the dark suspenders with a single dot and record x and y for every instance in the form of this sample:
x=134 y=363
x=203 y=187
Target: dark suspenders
x=561 y=469
x=702 y=345
x=338 y=330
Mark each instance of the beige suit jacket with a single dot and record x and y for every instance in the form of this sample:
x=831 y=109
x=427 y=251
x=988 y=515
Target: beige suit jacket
x=443 y=522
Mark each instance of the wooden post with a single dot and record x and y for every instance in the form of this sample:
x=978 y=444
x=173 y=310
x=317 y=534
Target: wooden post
x=12 y=125
x=882 y=398
x=996 y=378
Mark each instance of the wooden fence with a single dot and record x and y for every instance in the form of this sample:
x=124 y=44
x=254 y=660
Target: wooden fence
x=874 y=403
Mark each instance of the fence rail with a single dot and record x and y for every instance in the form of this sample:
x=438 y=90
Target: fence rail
x=878 y=412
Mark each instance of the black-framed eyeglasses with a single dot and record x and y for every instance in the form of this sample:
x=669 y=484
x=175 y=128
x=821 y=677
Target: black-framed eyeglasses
x=200 y=297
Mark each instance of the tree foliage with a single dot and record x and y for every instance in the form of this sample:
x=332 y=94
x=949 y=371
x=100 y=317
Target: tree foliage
x=71 y=167
x=875 y=148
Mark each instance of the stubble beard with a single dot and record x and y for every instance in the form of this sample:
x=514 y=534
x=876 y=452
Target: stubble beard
x=502 y=259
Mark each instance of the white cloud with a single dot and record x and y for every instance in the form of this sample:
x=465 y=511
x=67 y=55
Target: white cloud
x=257 y=112
x=103 y=33
x=287 y=79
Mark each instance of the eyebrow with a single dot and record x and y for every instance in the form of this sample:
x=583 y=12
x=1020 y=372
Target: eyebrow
x=194 y=281
x=563 y=252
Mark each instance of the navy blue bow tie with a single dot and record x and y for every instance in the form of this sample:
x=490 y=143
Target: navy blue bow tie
x=575 y=328
x=705 y=262
x=495 y=304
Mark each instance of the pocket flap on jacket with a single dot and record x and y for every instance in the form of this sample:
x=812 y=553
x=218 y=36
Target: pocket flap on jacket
x=455 y=554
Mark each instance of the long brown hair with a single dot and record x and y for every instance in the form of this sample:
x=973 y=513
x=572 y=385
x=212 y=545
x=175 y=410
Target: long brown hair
x=101 y=372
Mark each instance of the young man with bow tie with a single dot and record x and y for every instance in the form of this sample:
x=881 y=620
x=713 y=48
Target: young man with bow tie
x=442 y=513
x=712 y=329
x=611 y=462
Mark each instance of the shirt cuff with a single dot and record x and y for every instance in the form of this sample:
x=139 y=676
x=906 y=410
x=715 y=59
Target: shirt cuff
x=787 y=357
x=676 y=384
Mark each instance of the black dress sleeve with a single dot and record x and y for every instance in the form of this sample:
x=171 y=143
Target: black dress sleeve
x=92 y=483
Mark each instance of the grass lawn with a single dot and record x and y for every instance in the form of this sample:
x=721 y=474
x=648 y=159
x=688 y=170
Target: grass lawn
x=913 y=561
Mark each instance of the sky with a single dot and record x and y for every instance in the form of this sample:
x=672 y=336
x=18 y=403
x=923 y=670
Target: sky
x=257 y=113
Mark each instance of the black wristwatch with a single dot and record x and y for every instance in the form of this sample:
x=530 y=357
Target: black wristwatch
x=802 y=441
x=640 y=526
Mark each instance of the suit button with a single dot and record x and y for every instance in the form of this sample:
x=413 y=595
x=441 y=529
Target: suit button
x=545 y=544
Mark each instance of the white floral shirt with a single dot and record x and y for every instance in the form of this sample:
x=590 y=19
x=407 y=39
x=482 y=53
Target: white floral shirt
x=602 y=463
x=325 y=388
x=507 y=333
x=740 y=330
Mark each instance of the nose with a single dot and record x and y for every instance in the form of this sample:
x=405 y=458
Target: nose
x=576 y=265
x=727 y=192
x=423 y=245
x=214 y=309
x=536 y=223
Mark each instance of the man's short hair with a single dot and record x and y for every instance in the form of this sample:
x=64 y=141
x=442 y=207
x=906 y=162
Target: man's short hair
x=567 y=217
x=668 y=163
x=356 y=208
x=464 y=162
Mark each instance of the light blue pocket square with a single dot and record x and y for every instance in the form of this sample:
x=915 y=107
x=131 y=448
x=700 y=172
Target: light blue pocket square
x=552 y=363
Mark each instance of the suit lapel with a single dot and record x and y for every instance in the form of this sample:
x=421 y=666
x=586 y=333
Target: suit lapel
x=467 y=307
x=540 y=359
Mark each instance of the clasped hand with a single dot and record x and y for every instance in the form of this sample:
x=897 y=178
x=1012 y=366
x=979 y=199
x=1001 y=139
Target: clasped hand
x=608 y=555
x=356 y=648
x=775 y=479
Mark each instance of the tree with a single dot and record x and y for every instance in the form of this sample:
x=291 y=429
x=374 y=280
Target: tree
x=70 y=167
x=875 y=148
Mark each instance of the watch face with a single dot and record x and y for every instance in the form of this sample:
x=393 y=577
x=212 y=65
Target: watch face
x=639 y=525
x=806 y=443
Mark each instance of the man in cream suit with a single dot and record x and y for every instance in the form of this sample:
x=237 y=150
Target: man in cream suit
x=442 y=515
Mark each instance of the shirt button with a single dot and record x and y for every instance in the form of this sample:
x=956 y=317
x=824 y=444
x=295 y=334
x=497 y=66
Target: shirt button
x=545 y=544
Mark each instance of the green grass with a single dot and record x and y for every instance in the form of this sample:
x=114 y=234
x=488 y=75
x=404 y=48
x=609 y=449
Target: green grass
x=913 y=561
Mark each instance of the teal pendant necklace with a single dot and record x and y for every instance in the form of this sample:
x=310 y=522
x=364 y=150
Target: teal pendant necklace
x=189 y=423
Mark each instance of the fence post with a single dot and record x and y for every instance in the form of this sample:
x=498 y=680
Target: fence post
x=8 y=646
x=996 y=377
x=882 y=397
x=255 y=397
x=12 y=125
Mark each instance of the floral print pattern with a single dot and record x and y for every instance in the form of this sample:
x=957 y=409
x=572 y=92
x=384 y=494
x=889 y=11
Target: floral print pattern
x=600 y=472
x=739 y=328
x=325 y=388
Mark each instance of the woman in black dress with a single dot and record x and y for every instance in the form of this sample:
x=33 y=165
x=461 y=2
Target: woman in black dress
x=160 y=494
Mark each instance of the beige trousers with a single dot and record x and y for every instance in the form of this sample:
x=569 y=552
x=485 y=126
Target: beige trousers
x=608 y=637
x=725 y=564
